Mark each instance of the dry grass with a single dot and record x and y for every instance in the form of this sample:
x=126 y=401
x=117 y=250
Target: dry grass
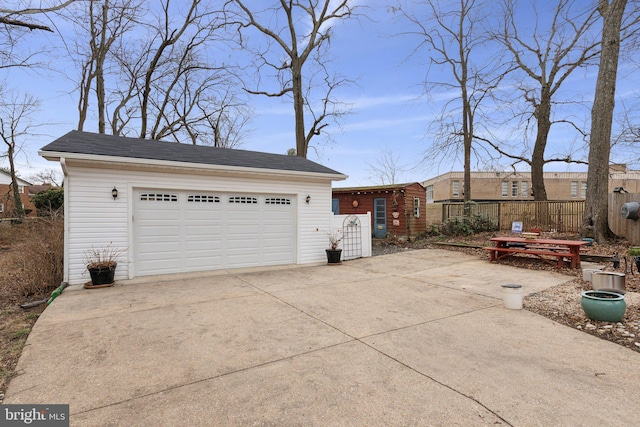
x=31 y=257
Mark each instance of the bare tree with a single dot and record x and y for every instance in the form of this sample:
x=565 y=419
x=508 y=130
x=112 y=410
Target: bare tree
x=301 y=31
x=15 y=127
x=454 y=37
x=104 y=25
x=226 y=121
x=544 y=61
x=184 y=92
x=47 y=176
x=595 y=219
x=167 y=37
x=153 y=72
x=386 y=169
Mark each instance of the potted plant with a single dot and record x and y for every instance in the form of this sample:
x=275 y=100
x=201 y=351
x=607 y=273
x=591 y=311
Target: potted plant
x=101 y=264
x=334 y=254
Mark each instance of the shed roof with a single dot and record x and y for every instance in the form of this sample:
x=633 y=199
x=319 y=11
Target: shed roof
x=375 y=187
x=92 y=144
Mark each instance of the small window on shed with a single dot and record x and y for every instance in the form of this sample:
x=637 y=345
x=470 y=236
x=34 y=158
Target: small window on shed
x=277 y=201
x=416 y=207
x=245 y=200
x=158 y=197
x=203 y=198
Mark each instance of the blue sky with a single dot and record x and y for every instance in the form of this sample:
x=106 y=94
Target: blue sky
x=389 y=111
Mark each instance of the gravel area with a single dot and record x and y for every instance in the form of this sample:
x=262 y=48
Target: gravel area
x=560 y=303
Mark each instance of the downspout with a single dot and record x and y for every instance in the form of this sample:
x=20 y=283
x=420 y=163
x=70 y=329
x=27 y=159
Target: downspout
x=65 y=186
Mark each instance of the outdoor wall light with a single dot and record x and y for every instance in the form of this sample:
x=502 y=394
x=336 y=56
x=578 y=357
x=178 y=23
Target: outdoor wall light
x=308 y=199
x=114 y=193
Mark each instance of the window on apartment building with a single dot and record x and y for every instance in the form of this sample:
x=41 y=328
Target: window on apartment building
x=583 y=190
x=21 y=189
x=514 y=188
x=416 y=207
x=455 y=189
x=574 y=189
x=1 y=207
x=430 y=194
x=505 y=189
x=525 y=189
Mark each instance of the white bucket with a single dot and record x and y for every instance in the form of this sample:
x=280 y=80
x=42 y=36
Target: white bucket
x=587 y=272
x=512 y=296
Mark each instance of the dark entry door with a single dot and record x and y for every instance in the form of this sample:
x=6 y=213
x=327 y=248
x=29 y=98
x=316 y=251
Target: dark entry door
x=380 y=218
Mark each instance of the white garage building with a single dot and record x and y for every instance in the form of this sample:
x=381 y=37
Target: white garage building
x=177 y=208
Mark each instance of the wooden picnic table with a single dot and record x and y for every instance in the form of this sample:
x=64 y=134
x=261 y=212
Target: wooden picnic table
x=505 y=246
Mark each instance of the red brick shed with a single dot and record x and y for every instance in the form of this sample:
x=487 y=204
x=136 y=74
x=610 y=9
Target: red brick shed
x=396 y=210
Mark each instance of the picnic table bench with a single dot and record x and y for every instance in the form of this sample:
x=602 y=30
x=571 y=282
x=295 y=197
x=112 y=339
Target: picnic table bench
x=505 y=246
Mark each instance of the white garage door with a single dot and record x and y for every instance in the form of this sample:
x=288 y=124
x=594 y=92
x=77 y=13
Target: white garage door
x=183 y=231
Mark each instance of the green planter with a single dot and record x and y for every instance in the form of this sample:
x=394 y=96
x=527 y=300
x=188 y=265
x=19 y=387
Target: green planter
x=604 y=306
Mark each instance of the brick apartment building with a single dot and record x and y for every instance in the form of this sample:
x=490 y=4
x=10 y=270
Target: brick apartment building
x=500 y=186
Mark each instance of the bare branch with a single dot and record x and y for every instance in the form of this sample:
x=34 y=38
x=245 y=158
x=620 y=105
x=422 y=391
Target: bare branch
x=16 y=23
x=300 y=29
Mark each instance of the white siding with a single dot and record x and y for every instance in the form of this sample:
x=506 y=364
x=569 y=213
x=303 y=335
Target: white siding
x=95 y=219
x=337 y=225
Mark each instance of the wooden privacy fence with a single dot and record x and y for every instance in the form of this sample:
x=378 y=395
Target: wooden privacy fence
x=627 y=228
x=559 y=216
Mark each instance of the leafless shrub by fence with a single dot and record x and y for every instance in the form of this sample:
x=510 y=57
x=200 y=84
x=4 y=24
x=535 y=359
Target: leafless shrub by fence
x=31 y=258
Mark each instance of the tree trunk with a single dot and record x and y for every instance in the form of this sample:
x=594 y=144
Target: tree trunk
x=595 y=220
x=298 y=108
x=85 y=92
x=543 y=117
x=467 y=124
x=18 y=210
x=100 y=57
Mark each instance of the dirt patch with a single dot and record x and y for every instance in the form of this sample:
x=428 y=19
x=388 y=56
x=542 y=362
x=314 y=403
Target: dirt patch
x=15 y=326
x=560 y=303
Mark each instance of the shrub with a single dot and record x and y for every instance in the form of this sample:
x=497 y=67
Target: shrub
x=49 y=202
x=32 y=264
x=468 y=225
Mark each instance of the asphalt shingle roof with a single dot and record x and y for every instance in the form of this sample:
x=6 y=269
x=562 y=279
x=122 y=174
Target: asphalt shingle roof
x=118 y=146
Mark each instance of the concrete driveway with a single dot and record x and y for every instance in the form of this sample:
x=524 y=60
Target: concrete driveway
x=417 y=338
